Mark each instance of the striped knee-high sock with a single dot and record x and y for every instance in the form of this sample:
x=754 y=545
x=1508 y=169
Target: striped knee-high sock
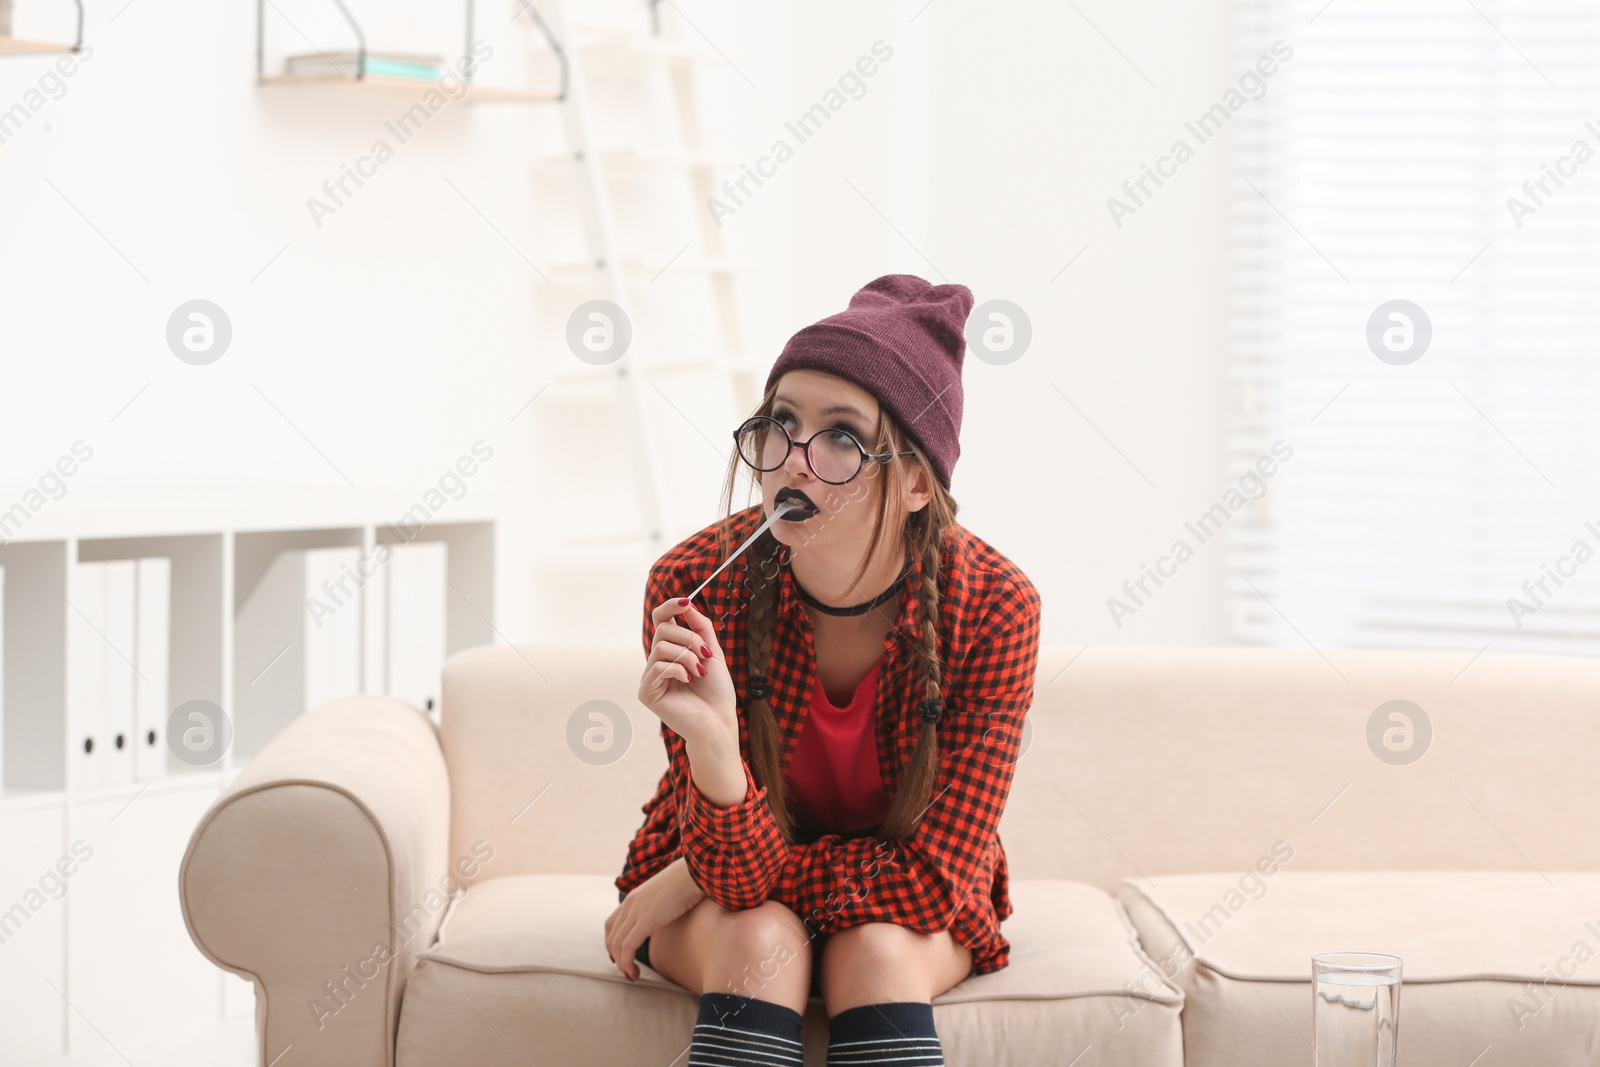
x=898 y=1032
x=736 y=1031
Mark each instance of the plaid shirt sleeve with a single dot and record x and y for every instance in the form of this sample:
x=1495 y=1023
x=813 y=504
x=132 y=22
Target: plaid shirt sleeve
x=925 y=881
x=657 y=842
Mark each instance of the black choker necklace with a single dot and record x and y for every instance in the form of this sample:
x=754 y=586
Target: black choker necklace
x=859 y=609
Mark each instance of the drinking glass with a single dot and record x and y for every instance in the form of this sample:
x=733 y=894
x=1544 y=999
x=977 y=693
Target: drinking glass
x=1355 y=1009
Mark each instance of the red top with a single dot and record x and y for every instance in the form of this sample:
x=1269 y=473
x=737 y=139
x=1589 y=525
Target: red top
x=833 y=779
x=951 y=872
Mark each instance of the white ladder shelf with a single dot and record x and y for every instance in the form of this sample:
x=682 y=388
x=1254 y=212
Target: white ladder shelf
x=619 y=269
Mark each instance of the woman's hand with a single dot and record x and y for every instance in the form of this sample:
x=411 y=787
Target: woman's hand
x=686 y=680
x=666 y=895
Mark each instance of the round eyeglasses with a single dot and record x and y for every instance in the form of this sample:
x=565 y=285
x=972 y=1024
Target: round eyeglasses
x=835 y=456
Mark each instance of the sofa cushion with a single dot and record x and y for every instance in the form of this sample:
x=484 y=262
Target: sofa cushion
x=520 y=970
x=1500 y=965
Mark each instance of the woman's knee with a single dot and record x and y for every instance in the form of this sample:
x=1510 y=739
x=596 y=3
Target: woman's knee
x=883 y=961
x=757 y=952
x=754 y=946
x=871 y=946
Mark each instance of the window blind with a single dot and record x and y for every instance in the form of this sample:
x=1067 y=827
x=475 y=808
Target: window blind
x=1446 y=154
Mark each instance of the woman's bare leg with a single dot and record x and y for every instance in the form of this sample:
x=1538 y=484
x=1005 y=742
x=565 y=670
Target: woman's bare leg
x=762 y=952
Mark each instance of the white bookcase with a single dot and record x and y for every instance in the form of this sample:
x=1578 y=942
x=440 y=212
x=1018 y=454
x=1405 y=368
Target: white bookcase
x=94 y=957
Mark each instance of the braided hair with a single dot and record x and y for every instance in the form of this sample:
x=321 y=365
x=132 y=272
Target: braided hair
x=921 y=533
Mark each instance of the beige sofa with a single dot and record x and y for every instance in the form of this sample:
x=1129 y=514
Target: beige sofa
x=1185 y=829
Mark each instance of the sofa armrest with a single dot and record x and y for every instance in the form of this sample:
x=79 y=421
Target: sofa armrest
x=321 y=871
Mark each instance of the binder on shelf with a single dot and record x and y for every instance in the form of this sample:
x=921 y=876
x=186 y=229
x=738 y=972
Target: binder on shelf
x=414 y=625
x=2 y=673
x=332 y=641
x=151 y=644
x=101 y=651
x=87 y=665
x=119 y=677
x=297 y=640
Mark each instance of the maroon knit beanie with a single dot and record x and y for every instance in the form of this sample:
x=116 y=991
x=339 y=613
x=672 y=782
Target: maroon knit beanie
x=902 y=340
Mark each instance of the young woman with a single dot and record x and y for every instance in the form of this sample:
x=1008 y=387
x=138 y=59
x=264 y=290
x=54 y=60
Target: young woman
x=842 y=709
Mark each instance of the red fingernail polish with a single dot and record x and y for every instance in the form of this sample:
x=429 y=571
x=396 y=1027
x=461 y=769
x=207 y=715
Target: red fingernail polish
x=683 y=600
x=702 y=667
x=705 y=650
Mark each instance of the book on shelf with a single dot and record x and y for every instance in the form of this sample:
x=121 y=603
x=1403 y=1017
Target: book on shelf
x=349 y=64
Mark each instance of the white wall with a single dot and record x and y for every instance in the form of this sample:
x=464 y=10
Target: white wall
x=375 y=349
x=1031 y=120
x=1041 y=120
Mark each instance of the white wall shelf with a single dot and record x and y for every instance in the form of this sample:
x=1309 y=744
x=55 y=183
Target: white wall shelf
x=241 y=636
x=366 y=80
x=11 y=46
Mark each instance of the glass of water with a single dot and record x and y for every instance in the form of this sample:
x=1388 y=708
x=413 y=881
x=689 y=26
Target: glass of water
x=1356 y=1009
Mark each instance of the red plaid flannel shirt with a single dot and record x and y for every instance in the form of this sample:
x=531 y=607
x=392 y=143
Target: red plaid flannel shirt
x=951 y=873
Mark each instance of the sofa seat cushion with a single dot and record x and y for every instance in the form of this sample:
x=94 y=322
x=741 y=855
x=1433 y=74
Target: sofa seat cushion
x=1497 y=964
x=519 y=969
